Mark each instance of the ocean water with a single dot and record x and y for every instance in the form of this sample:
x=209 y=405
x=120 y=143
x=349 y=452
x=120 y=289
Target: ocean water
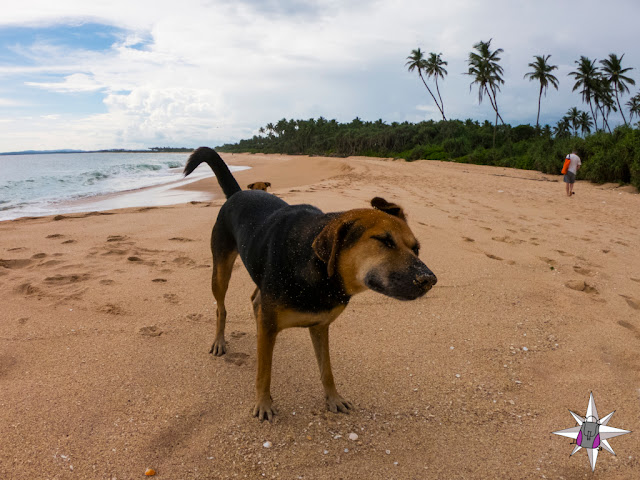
x=48 y=184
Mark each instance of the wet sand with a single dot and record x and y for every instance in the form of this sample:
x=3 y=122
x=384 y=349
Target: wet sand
x=107 y=319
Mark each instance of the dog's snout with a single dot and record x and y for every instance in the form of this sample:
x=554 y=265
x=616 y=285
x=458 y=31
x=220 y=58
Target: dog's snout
x=426 y=279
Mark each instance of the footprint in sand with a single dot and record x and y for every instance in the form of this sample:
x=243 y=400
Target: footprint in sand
x=494 y=257
x=112 y=309
x=564 y=254
x=195 y=317
x=38 y=256
x=582 y=270
x=171 y=297
x=67 y=279
x=507 y=239
x=635 y=279
x=68 y=241
x=632 y=302
x=27 y=289
x=581 y=286
x=55 y=235
x=549 y=261
x=180 y=239
x=150 y=331
x=184 y=261
x=115 y=251
x=14 y=263
x=159 y=280
x=467 y=239
x=116 y=238
x=237 y=358
x=106 y=282
x=134 y=259
x=629 y=326
x=237 y=334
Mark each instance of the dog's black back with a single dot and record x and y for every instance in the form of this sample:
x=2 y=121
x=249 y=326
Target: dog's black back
x=274 y=241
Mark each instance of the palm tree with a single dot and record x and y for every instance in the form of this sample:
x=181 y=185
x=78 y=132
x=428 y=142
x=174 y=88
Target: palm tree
x=416 y=61
x=542 y=72
x=634 y=106
x=562 y=128
x=586 y=77
x=487 y=74
x=612 y=68
x=585 y=123
x=434 y=68
x=573 y=116
x=603 y=99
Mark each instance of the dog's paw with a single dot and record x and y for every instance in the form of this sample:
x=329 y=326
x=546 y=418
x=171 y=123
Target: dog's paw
x=264 y=410
x=219 y=348
x=338 y=404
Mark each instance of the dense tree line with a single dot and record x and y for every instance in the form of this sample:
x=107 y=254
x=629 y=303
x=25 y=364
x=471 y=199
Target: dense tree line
x=607 y=157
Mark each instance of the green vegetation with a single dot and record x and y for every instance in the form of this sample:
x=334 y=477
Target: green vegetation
x=606 y=157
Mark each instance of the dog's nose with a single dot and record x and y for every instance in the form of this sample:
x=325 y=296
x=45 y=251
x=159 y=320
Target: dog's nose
x=426 y=279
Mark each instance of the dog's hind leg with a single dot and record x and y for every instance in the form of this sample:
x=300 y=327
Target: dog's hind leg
x=222 y=268
x=320 y=339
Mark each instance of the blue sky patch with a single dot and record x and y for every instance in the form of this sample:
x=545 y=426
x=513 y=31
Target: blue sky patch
x=88 y=36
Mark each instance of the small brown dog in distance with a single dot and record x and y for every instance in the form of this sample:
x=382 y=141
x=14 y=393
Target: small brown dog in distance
x=259 y=186
x=306 y=265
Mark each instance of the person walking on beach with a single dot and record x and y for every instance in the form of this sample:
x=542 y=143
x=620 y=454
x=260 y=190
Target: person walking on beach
x=570 y=176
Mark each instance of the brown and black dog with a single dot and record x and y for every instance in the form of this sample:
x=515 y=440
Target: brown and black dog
x=259 y=186
x=306 y=265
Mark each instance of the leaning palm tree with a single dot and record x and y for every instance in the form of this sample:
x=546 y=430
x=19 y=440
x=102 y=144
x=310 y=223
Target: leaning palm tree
x=613 y=71
x=585 y=123
x=586 y=77
x=487 y=74
x=542 y=72
x=434 y=68
x=561 y=129
x=634 y=107
x=603 y=100
x=573 y=117
x=416 y=61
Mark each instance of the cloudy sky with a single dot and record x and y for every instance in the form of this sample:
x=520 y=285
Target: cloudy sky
x=144 y=73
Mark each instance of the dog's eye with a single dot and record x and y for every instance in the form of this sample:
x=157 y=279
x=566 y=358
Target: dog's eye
x=416 y=250
x=387 y=241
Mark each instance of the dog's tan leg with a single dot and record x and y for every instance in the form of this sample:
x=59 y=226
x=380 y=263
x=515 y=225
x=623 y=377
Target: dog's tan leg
x=266 y=341
x=320 y=338
x=219 y=283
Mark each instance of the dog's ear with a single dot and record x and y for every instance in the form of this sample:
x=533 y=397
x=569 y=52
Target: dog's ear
x=381 y=204
x=268 y=184
x=328 y=242
x=250 y=186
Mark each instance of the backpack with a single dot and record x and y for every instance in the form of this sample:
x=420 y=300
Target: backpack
x=567 y=162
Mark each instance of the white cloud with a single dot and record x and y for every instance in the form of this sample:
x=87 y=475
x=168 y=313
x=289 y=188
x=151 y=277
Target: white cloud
x=216 y=71
x=77 y=82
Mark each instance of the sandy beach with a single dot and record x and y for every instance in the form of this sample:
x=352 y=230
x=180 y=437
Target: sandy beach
x=107 y=319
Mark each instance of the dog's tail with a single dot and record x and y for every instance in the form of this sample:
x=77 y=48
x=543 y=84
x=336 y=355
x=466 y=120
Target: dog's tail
x=223 y=175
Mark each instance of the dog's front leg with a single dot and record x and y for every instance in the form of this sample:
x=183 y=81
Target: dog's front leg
x=266 y=341
x=320 y=339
